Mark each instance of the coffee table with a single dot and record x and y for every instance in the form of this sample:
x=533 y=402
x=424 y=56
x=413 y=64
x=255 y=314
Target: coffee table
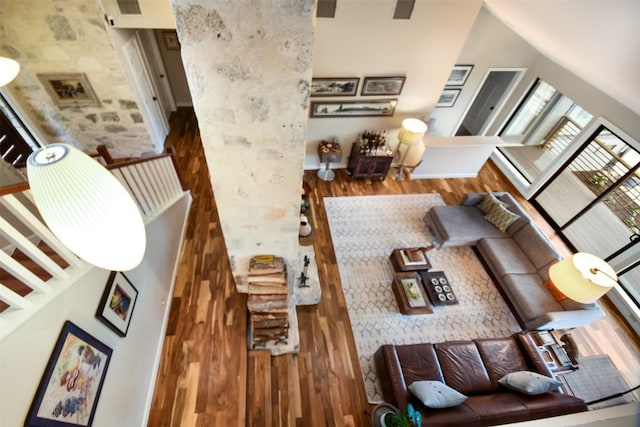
x=410 y=294
x=410 y=259
x=438 y=288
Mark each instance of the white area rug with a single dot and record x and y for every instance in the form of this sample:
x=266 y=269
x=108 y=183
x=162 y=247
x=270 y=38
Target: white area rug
x=364 y=231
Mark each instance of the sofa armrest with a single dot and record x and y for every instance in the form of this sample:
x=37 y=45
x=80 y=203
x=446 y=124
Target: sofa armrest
x=532 y=354
x=389 y=372
x=567 y=319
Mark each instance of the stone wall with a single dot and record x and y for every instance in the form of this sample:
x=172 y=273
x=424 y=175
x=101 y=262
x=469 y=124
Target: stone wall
x=248 y=65
x=49 y=36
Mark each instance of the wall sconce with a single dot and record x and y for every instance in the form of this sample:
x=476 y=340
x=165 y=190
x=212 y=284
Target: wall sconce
x=410 y=136
x=86 y=207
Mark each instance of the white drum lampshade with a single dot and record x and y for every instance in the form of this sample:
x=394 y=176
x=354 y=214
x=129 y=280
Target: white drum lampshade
x=410 y=145
x=86 y=207
x=583 y=277
x=9 y=69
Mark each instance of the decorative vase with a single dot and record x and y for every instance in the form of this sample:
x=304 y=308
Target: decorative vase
x=305 y=227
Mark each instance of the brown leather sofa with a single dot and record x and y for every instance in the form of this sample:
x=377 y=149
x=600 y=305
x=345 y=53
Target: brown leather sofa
x=472 y=368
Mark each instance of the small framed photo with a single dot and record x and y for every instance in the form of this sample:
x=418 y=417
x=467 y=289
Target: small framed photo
x=334 y=86
x=69 y=89
x=376 y=86
x=70 y=388
x=459 y=75
x=379 y=107
x=117 y=303
x=171 y=40
x=448 y=97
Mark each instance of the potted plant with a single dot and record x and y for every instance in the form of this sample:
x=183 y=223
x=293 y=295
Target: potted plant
x=385 y=415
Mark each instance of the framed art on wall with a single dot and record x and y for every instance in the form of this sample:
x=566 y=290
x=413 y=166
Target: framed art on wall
x=379 y=107
x=459 y=75
x=70 y=388
x=117 y=303
x=373 y=86
x=334 y=86
x=448 y=97
x=69 y=89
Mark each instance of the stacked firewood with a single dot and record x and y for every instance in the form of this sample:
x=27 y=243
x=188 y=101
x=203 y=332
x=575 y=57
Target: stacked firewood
x=268 y=301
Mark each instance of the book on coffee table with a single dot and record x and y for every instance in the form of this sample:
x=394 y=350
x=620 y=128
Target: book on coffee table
x=409 y=259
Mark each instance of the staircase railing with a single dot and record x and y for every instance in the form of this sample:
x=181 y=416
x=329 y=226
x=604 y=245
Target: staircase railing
x=45 y=267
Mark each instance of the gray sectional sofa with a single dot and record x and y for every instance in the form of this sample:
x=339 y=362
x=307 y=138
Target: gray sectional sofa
x=518 y=259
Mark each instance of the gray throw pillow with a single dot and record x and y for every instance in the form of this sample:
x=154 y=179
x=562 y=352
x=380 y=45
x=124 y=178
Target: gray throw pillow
x=435 y=394
x=530 y=383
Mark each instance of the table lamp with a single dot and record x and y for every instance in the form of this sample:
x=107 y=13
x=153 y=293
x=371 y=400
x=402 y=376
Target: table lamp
x=410 y=137
x=583 y=277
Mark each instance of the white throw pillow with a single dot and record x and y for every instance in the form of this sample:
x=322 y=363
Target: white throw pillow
x=435 y=394
x=530 y=383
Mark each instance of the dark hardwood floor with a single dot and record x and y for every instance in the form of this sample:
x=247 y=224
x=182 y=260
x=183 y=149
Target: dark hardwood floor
x=208 y=378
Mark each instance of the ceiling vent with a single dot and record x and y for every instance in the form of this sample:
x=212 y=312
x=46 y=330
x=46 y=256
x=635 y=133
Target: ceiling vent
x=404 y=8
x=326 y=9
x=129 y=7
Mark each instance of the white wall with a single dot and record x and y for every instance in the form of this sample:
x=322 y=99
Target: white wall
x=363 y=40
x=130 y=378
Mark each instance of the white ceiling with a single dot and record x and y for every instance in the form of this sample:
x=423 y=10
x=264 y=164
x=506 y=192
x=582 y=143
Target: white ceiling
x=597 y=40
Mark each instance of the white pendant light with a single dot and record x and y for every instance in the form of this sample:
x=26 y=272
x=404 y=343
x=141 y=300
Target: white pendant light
x=9 y=69
x=86 y=207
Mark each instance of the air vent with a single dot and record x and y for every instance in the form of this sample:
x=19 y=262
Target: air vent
x=326 y=9
x=404 y=8
x=129 y=7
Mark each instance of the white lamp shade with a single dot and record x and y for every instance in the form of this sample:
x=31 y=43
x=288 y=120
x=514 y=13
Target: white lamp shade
x=412 y=130
x=411 y=155
x=86 y=207
x=9 y=69
x=583 y=277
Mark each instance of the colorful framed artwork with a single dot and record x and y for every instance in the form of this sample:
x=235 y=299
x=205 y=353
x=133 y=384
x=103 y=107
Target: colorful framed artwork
x=171 y=40
x=334 y=86
x=448 y=97
x=117 y=303
x=380 y=107
x=69 y=89
x=459 y=75
x=70 y=388
x=376 y=86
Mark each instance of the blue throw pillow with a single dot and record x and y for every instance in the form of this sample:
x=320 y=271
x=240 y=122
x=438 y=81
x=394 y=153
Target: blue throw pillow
x=530 y=383
x=435 y=394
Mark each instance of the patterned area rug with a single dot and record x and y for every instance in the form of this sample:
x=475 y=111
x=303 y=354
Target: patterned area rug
x=364 y=231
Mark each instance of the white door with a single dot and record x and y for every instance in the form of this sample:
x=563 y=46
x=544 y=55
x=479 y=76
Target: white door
x=150 y=108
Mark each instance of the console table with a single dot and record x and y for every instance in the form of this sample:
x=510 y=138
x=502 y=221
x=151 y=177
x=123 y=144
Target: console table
x=370 y=166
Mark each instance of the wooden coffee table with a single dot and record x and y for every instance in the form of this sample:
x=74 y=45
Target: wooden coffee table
x=401 y=262
x=410 y=294
x=438 y=288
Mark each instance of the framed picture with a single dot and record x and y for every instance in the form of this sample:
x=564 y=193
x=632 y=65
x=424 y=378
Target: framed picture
x=171 y=41
x=459 y=75
x=448 y=97
x=69 y=89
x=334 y=86
x=70 y=388
x=117 y=303
x=382 y=86
x=379 y=107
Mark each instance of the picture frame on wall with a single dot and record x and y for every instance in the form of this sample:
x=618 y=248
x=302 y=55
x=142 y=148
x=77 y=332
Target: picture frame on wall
x=459 y=75
x=448 y=97
x=69 y=89
x=70 y=387
x=117 y=303
x=359 y=108
x=377 y=86
x=334 y=86
x=171 y=40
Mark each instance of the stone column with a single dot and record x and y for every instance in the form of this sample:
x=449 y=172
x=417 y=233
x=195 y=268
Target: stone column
x=248 y=64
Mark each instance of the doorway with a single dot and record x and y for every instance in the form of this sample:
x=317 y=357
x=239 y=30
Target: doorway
x=494 y=90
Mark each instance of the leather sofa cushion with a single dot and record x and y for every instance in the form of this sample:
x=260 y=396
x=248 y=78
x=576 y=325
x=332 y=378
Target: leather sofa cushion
x=505 y=257
x=529 y=295
x=463 y=367
x=498 y=408
x=551 y=404
x=501 y=356
x=419 y=362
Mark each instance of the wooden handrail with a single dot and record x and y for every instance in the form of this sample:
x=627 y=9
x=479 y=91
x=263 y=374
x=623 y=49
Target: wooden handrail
x=14 y=188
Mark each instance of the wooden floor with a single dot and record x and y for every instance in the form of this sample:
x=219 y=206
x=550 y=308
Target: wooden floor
x=208 y=378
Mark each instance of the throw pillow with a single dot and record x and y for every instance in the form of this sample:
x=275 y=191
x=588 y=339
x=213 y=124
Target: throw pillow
x=489 y=202
x=435 y=394
x=501 y=217
x=530 y=383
